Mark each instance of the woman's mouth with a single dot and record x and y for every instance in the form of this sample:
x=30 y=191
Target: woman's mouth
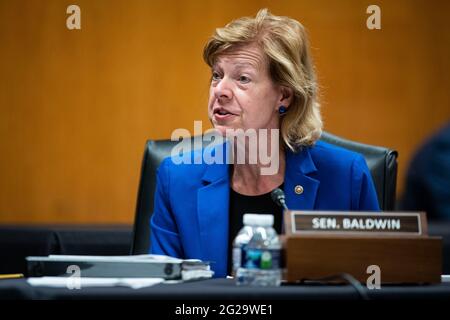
x=222 y=115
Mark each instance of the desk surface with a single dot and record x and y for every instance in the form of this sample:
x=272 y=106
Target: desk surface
x=222 y=289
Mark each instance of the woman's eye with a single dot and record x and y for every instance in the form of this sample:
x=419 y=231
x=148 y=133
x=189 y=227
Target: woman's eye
x=244 y=79
x=215 y=76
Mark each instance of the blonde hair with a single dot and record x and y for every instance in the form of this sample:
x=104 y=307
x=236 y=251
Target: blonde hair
x=285 y=43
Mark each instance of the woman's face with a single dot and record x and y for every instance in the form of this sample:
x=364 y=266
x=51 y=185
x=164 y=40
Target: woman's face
x=242 y=94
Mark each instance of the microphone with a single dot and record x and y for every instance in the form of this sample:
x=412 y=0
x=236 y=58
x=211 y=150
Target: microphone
x=279 y=198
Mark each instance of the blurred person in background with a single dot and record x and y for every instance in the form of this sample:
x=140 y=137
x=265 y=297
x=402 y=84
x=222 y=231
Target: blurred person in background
x=428 y=178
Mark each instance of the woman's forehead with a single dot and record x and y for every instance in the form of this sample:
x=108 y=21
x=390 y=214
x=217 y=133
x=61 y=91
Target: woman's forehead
x=249 y=55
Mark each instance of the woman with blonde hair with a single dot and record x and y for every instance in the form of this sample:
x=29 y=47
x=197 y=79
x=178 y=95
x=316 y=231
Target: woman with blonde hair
x=262 y=79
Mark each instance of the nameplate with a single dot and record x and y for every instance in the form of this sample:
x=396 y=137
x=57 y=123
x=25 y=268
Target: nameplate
x=358 y=223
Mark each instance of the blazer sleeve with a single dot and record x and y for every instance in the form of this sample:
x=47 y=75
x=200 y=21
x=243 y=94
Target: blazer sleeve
x=364 y=195
x=164 y=237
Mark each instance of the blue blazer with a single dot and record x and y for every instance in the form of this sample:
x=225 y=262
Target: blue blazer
x=190 y=218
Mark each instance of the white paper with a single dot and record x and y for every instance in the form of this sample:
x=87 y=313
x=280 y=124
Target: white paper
x=196 y=274
x=84 y=282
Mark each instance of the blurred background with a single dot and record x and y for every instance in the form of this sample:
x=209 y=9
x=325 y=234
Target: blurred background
x=76 y=106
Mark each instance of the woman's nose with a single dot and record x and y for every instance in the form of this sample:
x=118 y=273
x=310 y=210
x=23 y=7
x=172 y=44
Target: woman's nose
x=223 y=91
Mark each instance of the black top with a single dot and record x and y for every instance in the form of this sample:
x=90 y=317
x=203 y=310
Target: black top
x=240 y=205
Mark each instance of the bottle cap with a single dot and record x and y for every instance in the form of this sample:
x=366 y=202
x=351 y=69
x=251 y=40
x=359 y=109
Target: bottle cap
x=263 y=220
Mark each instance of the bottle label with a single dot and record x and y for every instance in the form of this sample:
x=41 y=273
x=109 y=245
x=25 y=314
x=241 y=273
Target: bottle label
x=265 y=259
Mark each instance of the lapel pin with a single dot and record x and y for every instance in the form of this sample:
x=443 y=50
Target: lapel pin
x=298 y=189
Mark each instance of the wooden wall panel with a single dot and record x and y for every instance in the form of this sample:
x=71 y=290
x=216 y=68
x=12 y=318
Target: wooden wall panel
x=76 y=106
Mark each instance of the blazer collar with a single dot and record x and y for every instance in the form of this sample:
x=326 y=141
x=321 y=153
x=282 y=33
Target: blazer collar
x=300 y=186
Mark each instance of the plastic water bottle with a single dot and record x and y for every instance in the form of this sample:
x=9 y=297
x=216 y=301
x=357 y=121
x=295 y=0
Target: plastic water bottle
x=261 y=256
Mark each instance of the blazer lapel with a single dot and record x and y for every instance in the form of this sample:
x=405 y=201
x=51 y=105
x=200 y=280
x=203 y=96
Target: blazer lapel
x=299 y=168
x=213 y=207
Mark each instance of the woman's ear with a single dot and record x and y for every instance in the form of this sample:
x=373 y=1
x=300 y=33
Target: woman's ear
x=286 y=97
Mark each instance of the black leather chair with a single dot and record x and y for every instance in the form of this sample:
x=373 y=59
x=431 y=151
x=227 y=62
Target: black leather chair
x=382 y=163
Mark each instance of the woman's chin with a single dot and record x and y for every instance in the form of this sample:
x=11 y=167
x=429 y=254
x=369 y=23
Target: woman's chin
x=222 y=129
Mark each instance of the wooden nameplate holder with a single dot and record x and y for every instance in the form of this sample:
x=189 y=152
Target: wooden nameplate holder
x=322 y=244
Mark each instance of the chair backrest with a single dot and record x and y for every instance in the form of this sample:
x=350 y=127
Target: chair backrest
x=382 y=163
